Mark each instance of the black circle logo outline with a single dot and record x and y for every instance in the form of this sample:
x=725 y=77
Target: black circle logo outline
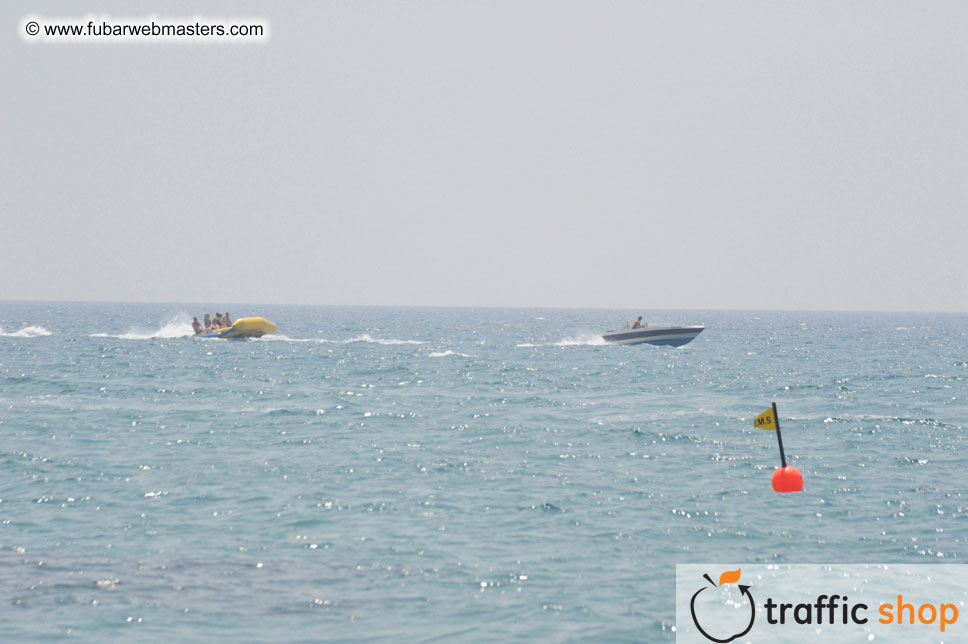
x=692 y=609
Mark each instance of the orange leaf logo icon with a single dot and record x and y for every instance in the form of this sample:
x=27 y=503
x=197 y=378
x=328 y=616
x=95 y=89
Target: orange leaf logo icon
x=729 y=577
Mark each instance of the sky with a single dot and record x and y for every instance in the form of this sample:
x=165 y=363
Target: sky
x=526 y=153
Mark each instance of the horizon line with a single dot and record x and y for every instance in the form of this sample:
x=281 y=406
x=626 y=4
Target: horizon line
x=468 y=306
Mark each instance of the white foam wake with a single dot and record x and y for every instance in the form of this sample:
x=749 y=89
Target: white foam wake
x=444 y=354
x=176 y=328
x=590 y=340
x=26 y=332
x=366 y=337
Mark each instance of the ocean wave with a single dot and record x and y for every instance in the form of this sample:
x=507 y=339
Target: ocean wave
x=177 y=328
x=26 y=332
x=444 y=354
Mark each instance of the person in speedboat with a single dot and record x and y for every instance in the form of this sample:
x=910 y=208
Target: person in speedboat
x=638 y=323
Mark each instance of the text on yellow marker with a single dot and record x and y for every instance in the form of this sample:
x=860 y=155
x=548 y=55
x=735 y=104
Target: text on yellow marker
x=766 y=420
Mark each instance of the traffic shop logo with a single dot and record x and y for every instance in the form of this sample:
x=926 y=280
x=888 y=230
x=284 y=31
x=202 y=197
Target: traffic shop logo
x=918 y=603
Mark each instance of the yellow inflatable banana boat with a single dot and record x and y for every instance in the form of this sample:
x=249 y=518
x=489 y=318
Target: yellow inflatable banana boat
x=242 y=328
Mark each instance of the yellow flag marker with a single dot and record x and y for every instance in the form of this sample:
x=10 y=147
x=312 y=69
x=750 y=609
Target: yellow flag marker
x=766 y=420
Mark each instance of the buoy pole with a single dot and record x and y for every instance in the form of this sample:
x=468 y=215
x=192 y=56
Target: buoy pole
x=785 y=478
x=779 y=438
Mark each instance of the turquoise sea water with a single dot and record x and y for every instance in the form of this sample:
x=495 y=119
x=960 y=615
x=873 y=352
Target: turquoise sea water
x=406 y=474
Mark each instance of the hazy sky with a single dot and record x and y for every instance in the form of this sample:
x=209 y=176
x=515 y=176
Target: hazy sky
x=729 y=155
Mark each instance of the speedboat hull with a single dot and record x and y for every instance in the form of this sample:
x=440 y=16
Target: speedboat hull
x=243 y=328
x=673 y=336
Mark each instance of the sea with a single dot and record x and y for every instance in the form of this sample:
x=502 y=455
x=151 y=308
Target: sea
x=397 y=474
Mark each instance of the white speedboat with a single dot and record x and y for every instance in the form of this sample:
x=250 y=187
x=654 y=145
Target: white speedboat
x=674 y=336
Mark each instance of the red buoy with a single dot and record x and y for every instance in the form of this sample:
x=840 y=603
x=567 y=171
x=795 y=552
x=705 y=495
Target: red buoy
x=787 y=479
